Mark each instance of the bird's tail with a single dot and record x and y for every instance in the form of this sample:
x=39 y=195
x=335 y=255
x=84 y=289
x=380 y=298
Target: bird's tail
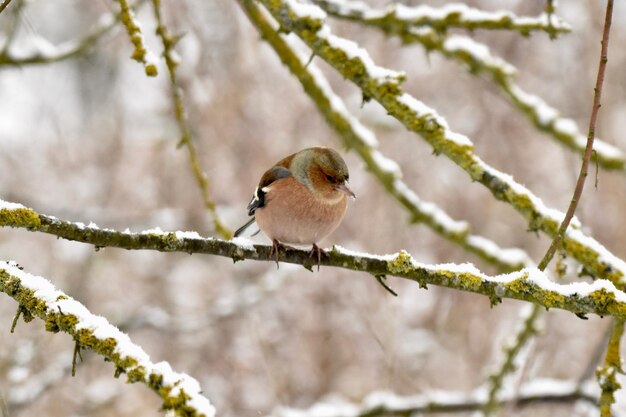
x=244 y=227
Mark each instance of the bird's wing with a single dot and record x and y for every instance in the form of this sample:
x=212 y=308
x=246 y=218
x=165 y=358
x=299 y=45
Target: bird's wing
x=272 y=175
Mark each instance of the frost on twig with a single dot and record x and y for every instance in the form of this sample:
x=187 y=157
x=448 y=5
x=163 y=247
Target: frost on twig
x=381 y=85
x=479 y=60
x=179 y=392
x=389 y=404
x=171 y=61
x=529 y=284
x=402 y=19
x=140 y=54
x=363 y=141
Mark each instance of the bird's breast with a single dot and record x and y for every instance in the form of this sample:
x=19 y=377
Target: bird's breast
x=292 y=214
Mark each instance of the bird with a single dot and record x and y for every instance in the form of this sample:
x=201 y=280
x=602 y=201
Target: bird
x=301 y=200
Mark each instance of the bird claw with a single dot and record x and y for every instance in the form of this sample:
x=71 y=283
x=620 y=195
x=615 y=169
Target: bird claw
x=318 y=252
x=276 y=246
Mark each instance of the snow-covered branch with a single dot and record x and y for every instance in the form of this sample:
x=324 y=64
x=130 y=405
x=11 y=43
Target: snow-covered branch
x=358 y=137
x=37 y=297
x=42 y=51
x=389 y=404
x=607 y=373
x=403 y=19
x=383 y=85
x=479 y=60
x=529 y=284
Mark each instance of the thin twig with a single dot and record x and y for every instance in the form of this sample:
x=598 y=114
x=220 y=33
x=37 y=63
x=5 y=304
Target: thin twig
x=65 y=50
x=171 y=61
x=527 y=331
x=606 y=375
x=4 y=5
x=580 y=183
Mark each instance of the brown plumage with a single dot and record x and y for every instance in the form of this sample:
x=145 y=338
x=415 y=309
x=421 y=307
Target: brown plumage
x=301 y=199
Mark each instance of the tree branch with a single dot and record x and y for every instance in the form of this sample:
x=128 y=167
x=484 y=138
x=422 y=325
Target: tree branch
x=404 y=19
x=607 y=373
x=65 y=50
x=4 y=5
x=582 y=176
x=479 y=60
x=179 y=392
x=529 y=284
x=172 y=61
x=527 y=331
x=540 y=391
x=140 y=54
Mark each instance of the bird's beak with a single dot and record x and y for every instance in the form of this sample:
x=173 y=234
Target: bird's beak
x=344 y=189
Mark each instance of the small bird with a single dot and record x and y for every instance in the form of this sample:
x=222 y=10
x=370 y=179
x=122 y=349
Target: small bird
x=301 y=199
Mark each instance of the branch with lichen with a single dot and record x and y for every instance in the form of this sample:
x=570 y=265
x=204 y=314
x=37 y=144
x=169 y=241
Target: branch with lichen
x=529 y=284
x=479 y=60
x=398 y=17
x=527 y=331
x=50 y=54
x=356 y=136
x=172 y=61
x=140 y=54
x=539 y=391
x=37 y=297
x=607 y=373
x=383 y=85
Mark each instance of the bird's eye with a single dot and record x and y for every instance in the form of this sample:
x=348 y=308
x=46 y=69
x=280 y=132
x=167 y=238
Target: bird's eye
x=330 y=178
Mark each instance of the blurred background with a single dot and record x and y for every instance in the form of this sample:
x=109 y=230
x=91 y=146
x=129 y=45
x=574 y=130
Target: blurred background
x=93 y=139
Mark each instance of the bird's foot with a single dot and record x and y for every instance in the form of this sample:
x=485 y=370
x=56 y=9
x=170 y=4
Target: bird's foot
x=276 y=246
x=318 y=253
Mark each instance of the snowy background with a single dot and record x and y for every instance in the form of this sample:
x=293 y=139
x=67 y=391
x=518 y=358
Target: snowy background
x=94 y=139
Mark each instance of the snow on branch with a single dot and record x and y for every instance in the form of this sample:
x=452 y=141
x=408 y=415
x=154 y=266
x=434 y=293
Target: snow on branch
x=363 y=141
x=529 y=284
x=401 y=18
x=478 y=59
x=39 y=298
x=389 y=404
x=345 y=55
x=41 y=51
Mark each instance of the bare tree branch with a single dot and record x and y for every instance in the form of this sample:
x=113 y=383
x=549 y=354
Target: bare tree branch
x=582 y=176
